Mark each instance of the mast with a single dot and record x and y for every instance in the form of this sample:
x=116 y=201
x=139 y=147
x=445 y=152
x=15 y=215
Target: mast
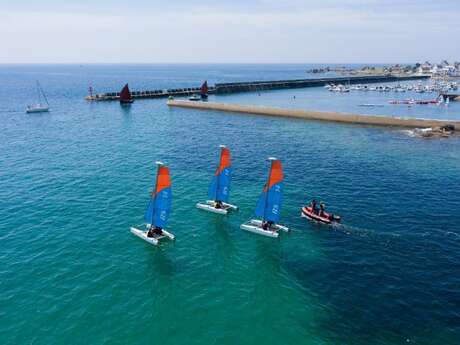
x=159 y=164
x=40 y=91
x=271 y=159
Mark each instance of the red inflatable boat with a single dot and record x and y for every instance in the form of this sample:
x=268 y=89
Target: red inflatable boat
x=326 y=218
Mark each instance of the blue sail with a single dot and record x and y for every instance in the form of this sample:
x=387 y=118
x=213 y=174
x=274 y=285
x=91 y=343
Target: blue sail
x=148 y=216
x=219 y=189
x=159 y=208
x=269 y=203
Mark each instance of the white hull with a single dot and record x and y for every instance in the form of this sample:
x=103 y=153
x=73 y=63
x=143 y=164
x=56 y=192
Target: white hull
x=258 y=230
x=255 y=226
x=209 y=206
x=142 y=234
x=258 y=222
x=37 y=109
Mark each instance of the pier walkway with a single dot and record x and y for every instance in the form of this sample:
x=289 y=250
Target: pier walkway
x=251 y=86
x=317 y=115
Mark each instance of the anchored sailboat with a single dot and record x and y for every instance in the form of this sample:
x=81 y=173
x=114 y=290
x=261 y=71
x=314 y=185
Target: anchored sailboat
x=39 y=107
x=269 y=204
x=158 y=209
x=219 y=188
x=125 y=95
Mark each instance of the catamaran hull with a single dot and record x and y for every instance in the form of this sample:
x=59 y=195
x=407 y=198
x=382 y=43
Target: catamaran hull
x=209 y=206
x=258 y=222
x=255 y=226
x=258 y=230
x=152 y=240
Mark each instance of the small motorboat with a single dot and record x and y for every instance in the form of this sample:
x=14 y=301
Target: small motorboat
x=194 y=98
x=326 y=218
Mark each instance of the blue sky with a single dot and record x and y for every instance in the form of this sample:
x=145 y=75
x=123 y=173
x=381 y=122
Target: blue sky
x=260 y=31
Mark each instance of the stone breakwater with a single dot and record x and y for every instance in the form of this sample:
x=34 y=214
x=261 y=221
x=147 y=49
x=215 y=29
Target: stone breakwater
x=388 y=121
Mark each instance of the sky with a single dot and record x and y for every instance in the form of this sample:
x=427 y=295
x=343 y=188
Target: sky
x=229 y=31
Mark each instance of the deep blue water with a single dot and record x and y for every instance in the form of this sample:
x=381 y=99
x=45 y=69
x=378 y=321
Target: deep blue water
x=73 y=181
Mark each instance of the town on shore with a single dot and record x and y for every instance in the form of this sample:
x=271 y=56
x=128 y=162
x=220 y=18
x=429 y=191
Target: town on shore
x=442 y=69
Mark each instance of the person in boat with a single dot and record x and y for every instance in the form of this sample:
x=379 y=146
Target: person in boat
x=267 y=225
x=154 y=231
x=314 y=206
x=218 y=204
x=321 y=209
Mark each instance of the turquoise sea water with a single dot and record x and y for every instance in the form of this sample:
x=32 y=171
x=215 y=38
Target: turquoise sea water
x=73 y=181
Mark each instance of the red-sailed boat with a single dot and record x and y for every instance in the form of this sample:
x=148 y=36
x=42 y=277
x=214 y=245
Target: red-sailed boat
x=204 y=90
x=327 y=218
x=125 y=95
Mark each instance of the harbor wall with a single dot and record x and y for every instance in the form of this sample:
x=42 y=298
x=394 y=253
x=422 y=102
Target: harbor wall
x=251 y=86
x=316 y=115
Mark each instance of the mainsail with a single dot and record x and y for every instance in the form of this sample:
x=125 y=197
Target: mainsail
x=159 y=207
x=269 y=204
x=125 y=95
x=219 y=188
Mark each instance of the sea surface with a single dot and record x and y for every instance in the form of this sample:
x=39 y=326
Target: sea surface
x=74 y=180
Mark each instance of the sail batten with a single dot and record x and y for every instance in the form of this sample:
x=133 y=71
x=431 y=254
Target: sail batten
x=219 y=189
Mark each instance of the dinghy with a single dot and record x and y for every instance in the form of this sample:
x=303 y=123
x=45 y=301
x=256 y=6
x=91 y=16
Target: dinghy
x=219 y=189
x=158 y=209
x=269 y=204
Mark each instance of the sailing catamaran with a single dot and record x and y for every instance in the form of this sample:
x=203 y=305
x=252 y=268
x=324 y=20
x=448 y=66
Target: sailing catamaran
x=125 y=96
x=39 y=107
x=158 y=209
x=269 y=204
x=219 y=188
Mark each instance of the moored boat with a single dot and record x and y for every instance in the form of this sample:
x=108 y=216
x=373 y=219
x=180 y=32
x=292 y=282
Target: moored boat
x=268 y=206
x=219 y=189
x=326 y=218
x=158 y=209
x=125 y=96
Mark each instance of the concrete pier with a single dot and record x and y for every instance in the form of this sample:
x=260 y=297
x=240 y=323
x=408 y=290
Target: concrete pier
x=317 y=115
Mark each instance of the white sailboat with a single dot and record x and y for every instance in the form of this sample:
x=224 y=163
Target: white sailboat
x=39 y=107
